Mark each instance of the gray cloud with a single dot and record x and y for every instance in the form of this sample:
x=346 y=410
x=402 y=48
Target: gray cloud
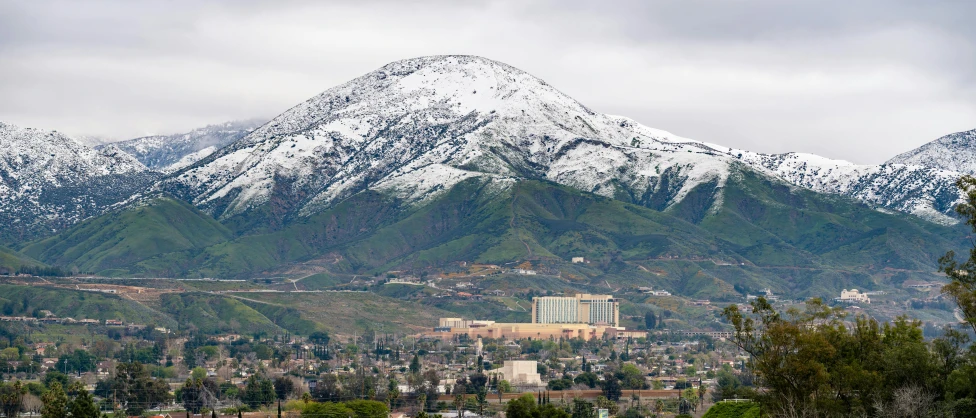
x=855 y=80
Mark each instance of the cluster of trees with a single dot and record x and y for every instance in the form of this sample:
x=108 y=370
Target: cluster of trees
x=818 y=361
x=45 y=271
x=540 y=406
x=132 y=387
x=350 y=409
x=200 y=393
x=55 y=401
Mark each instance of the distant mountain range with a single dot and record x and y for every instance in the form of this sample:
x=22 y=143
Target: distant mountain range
x=168 y=153
x=432 y=160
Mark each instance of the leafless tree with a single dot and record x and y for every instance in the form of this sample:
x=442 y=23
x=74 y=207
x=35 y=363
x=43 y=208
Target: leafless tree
x=32 y=404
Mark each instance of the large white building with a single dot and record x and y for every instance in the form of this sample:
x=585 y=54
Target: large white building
x=579 y=309
x=854 y=296
x=521 y=373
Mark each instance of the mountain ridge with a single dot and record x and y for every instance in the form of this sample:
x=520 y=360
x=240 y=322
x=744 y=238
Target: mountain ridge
x=952 y=152
x=49 y=181
x=169 y=153
x=458 y=117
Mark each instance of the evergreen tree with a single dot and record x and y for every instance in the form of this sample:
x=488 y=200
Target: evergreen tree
x=650 y=321
x=83 y=406
x=55 y=402
x=611 y=387
x=415 y=364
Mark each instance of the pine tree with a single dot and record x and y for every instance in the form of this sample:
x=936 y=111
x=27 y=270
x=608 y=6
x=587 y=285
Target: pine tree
x=415 y=364
x=84 y=406
x=55 y=402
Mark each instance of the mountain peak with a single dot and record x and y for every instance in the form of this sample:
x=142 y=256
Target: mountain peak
x=953 y=152
x=470 y=115
x=49 y=179
x=417 y=127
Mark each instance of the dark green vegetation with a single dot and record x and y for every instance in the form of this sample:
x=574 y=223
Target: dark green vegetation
x=733 y=410
x=817 y=362
x=748 y=234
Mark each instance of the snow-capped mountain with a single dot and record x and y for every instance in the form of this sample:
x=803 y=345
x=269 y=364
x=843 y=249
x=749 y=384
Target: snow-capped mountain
x=168 y=153
x=48 y=180
x=416 y=127
x=953 y=152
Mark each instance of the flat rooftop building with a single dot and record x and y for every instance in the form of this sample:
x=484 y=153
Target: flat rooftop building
x=580 y=309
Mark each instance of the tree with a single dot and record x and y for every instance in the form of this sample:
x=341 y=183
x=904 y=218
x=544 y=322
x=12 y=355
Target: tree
x=521 y=407
x=631 y=377
x=583 y=409
x=415 y=364
x=392 y=393
x=813 y=362
x=55 y=376
x=190 y=395
x=258 y=392
x=368 y=409
x=326 y=410
x=198 y=373
x=32 y=404
x=962 y=274
x=83 y=406
x=650 y=321
x=283 y=387
x=611 y=387
x=136 y=390
x=55 y=402
x=319 y=337
x=610 y=406
x=587 y=378
x=12 y=398
x=504 y=386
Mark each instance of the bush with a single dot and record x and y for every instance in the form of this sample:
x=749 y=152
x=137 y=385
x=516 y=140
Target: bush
x=733 y=410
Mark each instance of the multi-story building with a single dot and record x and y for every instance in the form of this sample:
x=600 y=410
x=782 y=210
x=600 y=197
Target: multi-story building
x=579 y=309
x=853 y=296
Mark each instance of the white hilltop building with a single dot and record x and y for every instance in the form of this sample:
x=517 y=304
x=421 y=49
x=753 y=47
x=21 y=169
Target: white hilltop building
x=853 y=296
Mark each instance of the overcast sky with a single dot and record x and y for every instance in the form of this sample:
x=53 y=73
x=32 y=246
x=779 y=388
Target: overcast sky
x=858 y=80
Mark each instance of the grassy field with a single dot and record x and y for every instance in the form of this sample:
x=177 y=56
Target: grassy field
x=351 y=312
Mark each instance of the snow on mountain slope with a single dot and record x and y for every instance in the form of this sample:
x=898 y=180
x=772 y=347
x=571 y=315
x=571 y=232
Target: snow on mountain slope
x=467 y=113
x=418 y=126
x=925 y=192
x=169 y=153
x=953 y=152
x=48 y=179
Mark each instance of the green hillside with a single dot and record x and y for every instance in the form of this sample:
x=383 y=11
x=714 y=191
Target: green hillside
x=77 y=304
x=11 y=261
x=350 y=312
x=121 y=242
x=212 y=314
x=750 y=233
